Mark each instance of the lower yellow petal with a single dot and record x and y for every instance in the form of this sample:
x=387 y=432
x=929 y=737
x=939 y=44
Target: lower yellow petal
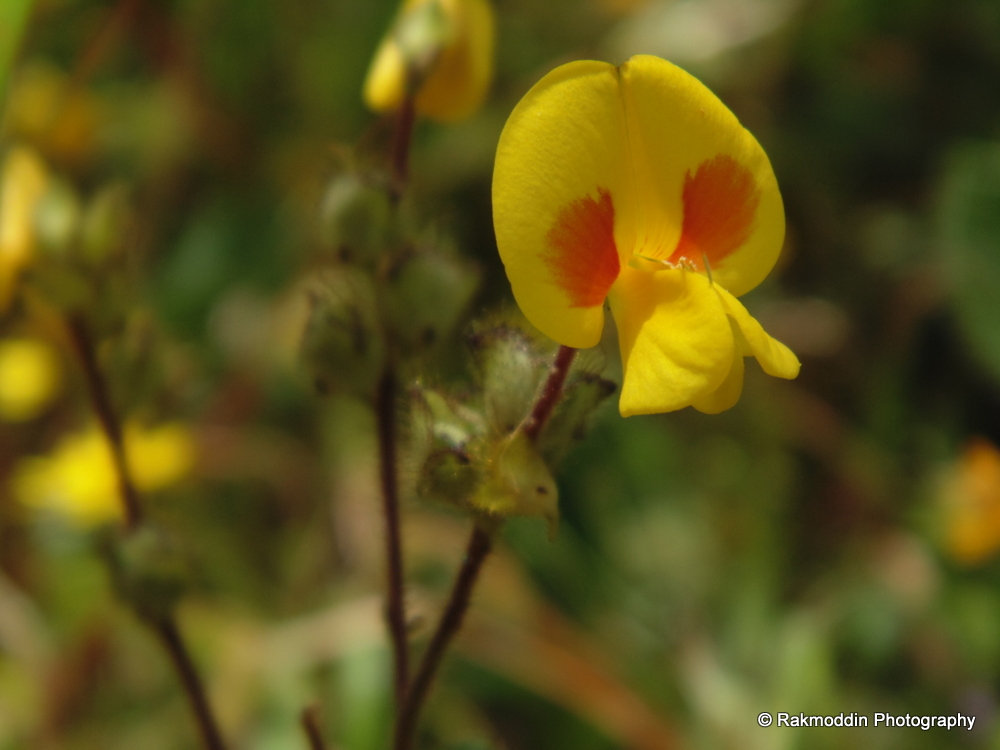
x=726 y=395
x=775 y=358
x=676 y=341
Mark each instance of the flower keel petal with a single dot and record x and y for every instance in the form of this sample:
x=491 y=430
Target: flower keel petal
x=676 y=341
x=775 y=358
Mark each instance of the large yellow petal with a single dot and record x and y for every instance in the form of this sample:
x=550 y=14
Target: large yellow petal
x=676 y=342
x=698 y=170
x=562 y=189
x=775 y=358
x=459 y=76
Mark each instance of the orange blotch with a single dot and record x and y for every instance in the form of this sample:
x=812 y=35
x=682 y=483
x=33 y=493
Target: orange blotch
x=583 y=257
x=720 y=202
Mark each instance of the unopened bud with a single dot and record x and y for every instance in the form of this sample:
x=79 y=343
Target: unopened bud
x=355 y=218
x=511 y=371
x=567 y=426
x=427 y=296
x=342 y=346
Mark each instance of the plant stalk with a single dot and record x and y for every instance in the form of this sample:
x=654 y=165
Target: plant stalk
x=478 y=549
x=385 y=412
x=165 y=628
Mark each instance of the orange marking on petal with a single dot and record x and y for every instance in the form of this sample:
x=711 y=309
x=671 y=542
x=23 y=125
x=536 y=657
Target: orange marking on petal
x=720 y=202
x=583 y=257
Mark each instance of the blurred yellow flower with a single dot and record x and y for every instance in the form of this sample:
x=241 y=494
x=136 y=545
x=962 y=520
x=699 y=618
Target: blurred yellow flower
x=635 y=185
x=445 y=49
x=23 y=182
x=29 y=378
x=78 y=478
x=972 y=504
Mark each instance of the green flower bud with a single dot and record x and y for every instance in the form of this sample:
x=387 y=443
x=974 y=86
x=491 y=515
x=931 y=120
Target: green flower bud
x=510 y=370
x=450 y=458
x=356 y=219
x=582 y=396
x=343 y=347
x=427 y=296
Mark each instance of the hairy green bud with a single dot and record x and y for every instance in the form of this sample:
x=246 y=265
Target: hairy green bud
x=510 y=370
x=427 y=294
x=355 y=218
x=343 y=347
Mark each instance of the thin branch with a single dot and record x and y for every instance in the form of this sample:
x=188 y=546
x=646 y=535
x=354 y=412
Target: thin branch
x=170 y=636
x=100 y=400
x=551 y=393
x=165 y=628
x=480 y=544
x=310 y=725
x=385 y=412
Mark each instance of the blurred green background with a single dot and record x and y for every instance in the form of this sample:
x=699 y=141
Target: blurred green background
x=828 y=545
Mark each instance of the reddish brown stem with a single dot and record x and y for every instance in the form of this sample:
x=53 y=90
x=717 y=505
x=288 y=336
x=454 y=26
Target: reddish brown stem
x=551 y=393
x=385 y=412
x=480 y=544
x=310 y=725
x=400 y=154
x=170 y=636
x=100 y=400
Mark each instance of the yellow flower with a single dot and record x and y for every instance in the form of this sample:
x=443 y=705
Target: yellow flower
x=78 y=479
x=634 y=184
x=445 y=47
x=23 y=182
x=971 y=499
x=29 y=378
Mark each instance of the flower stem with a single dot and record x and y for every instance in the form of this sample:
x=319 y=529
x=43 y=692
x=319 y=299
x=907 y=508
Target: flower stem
x=100 y=400
x=165 y=628
x=400 y=153
x=385 y=412
x=551 y=393
x=480 y=544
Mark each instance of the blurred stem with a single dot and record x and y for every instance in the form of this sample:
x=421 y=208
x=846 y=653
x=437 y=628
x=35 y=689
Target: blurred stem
x=100 y=400
x=170 y=636
x=480 y=544
x=310 y=725
x=164 y=627
x=385 y=410
x=401 y=138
